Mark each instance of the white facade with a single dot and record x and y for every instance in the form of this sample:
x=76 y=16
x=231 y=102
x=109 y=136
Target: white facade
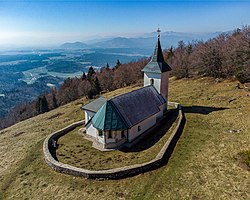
x=114 y=139
x=164 y=85
x=159 y=81
x=93 y=132
x=140 y=128
x=155 y=77
x=88 y=115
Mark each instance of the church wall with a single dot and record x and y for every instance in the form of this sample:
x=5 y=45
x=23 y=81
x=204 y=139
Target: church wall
x=164 y=85
x=144 y=125
x=162 y=108
x=100 y=138
x=155 y=76
x=91 y=130
x=88 y=115
x=116 y=137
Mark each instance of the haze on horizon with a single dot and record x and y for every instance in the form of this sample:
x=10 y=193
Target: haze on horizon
x=49 y=23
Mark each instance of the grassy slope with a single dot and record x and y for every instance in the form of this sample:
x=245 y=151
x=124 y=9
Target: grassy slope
x=203 y=165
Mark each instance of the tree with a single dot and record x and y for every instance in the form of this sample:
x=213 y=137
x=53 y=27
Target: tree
x=118 y=63
x=42 y=105
x=83 y=88
x=243 y=74
x=169 y=54
x=107 y=67
x=91 y=72
x=54 y=100
x=96 y=86
x=84 y=77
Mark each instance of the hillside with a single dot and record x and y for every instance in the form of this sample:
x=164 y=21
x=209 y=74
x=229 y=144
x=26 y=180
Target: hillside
x=204 y=164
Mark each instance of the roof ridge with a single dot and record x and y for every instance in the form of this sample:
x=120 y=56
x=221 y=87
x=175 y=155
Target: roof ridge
x=130 y=92
x=95 y=99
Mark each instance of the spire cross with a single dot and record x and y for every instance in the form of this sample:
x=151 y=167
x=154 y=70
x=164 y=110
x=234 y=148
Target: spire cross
x=158 y=31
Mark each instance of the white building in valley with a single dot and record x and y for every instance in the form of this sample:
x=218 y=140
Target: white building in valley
x=113 y=122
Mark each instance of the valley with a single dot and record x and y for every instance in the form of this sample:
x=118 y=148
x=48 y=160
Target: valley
x=27 y=74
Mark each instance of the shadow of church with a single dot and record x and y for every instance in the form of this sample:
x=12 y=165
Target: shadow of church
x=205 y=110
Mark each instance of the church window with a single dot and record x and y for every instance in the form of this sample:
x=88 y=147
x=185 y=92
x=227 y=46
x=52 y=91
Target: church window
x=122 y=133
x=109 y=134
x=100 y=133
x=151 y=81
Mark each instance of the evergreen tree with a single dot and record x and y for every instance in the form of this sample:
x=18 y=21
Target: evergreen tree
x=96 y=86
x=107 y=66
x=118 y=63
x=42 y=105
x=54 y=101
x=90 y=93
x=91 y=72
x=84 y=77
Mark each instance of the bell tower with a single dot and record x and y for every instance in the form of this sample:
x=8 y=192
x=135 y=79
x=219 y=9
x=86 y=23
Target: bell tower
x=156 y=72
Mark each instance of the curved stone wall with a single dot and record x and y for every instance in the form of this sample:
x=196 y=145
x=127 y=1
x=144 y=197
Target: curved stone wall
x=161 y=158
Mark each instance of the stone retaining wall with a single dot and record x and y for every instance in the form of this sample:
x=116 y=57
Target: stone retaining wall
x=117 y=173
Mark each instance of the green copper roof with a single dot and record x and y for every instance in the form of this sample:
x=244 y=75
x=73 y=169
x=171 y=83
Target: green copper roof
x=108 y=118
x=157 y=63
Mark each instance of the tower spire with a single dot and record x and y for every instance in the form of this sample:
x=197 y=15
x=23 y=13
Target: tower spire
x=157 y=63
x=158 y=31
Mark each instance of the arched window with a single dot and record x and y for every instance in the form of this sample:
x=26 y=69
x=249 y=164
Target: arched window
x=151 y=81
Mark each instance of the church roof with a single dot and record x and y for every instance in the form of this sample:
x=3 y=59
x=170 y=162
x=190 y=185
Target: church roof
x=108 y=118
x=124 y=111
x=139 y=104
x=157 y=63
x=95 y=105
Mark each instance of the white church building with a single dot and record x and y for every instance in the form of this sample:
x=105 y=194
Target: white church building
x=121 y=119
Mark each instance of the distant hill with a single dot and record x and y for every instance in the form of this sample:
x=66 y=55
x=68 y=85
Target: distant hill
x=74 y=45
x=144 y=41
x=118 y=42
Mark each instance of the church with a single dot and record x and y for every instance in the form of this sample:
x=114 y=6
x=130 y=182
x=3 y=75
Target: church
x=121 y=119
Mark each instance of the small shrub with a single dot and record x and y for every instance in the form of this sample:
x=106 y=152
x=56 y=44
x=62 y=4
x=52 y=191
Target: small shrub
x=243 y=76
x=245 y=155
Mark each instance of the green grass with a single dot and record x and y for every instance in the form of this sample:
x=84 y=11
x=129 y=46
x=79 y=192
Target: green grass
x=202 y=166
x=75 y=150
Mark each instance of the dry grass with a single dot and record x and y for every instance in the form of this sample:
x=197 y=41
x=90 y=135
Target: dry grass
x=203 y=164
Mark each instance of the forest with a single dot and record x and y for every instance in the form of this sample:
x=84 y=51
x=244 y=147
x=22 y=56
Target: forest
x=225 y=56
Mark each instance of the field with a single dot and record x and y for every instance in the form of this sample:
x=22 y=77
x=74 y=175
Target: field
x=206 y=162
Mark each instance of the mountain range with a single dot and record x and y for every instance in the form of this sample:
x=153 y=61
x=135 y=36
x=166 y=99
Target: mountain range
x=144 y=41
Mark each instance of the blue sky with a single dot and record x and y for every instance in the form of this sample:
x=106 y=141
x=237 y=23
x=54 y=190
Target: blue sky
x=53 y=22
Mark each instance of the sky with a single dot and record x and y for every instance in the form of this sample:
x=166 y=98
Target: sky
x=50 y=22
